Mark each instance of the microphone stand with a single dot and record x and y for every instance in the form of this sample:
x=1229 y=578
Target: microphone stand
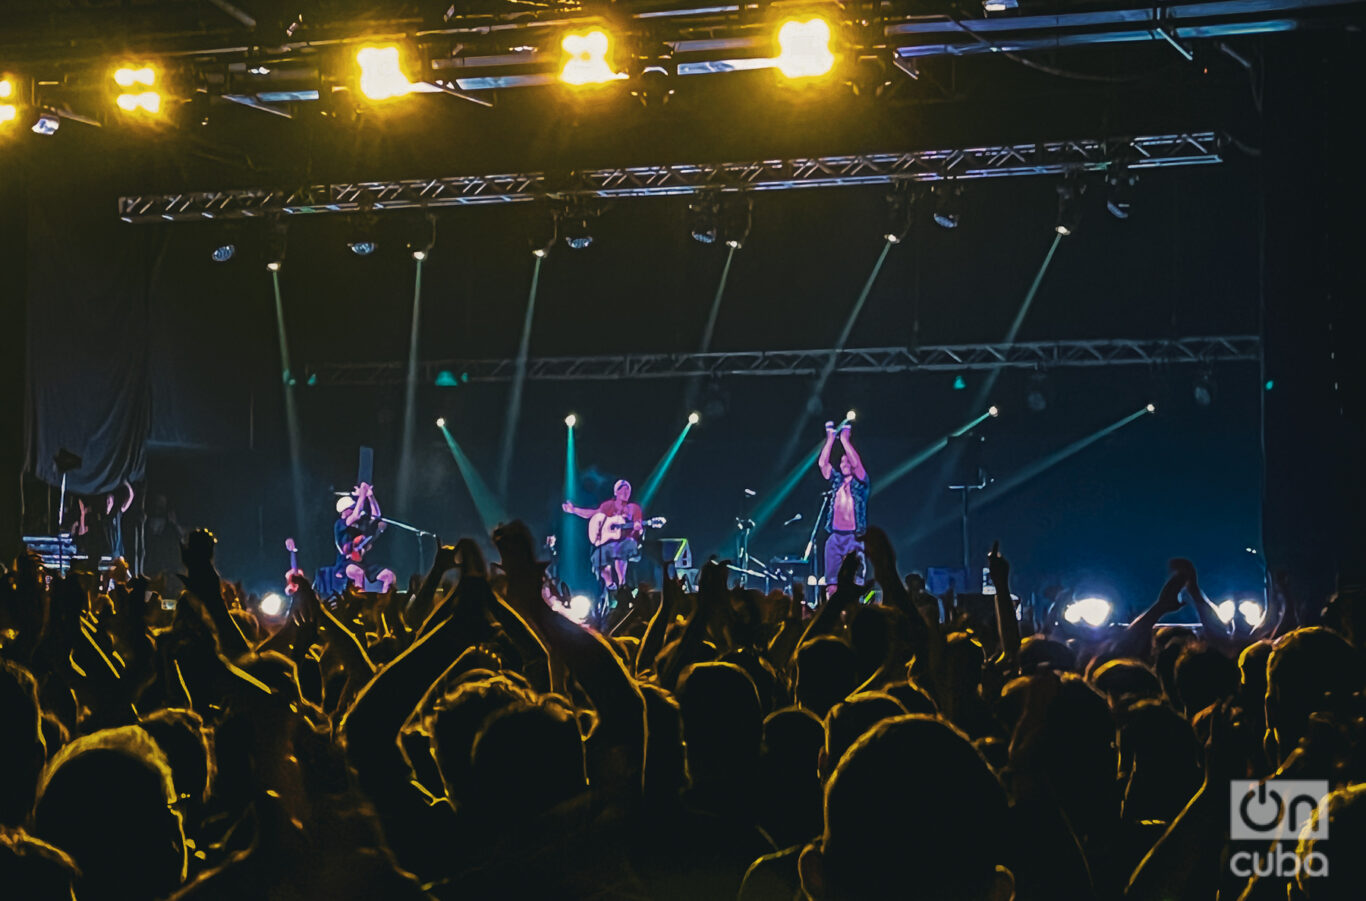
x=419 y=534
x=815 y=529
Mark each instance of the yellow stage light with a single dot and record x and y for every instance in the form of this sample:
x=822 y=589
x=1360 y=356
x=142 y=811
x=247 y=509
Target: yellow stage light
x=381 y=73
x=132 y=100
x=8 y=113
x=586 y=58
x=6 y=89
x=804 y=48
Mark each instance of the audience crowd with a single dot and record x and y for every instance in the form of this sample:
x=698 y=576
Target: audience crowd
x=467 y=739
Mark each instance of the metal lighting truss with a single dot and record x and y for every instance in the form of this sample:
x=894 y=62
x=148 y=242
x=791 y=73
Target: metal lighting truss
x=1046 y=158
x=937 y=358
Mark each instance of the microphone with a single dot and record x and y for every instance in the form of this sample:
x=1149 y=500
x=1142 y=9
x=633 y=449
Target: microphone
x=795 y=518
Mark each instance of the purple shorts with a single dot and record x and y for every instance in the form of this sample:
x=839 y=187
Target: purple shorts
x=837 y=547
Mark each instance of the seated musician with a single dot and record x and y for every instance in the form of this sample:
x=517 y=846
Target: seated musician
x=358 y=524
x=610 y=557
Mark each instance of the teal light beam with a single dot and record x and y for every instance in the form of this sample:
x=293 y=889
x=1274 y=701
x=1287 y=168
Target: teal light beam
x=573 y=552
x=997 y=490
x=985 y=391
x=778 y=496
x=296 y=466
x=485 y=501
x=813 y=403
x=405 y=458
x=690 y=397
x=518 y=380
x=912 y=462
x=657 y=474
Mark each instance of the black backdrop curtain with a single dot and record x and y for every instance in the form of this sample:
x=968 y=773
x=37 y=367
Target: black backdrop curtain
x=88 y=387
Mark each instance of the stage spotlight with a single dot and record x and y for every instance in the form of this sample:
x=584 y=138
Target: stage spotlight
x=1119 y=192
x=703 y=213
x=571 y=420
x=138 y=94
x=804 y=48
x=577 y=233
x=381 y=73
x=440 y=422
x=652 y=83
x=46 y=123
x=999 y=6
x=1204 y=390
x=223 y=252
x=1151 y=408
x=901 y=203
x=850 y=416
x=8 y=111
x=545 y=230
x=419 y=235
x=1037 y=397
x=1069 y=204
x=1252 y=612
x=694 y=418
x=1225 y=611
x=948 y=203
x=273 y=604
x=362 y=248
x=737 y=211
x=579 y=609
x=959 y=383
x=276 y=242
x=586 y=58
x=1095 y=612
x=993 y=411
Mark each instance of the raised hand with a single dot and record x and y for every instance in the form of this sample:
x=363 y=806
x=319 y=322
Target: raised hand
x=998 y=566
x=1169 y=600
x=445 y=557
x=567 y=507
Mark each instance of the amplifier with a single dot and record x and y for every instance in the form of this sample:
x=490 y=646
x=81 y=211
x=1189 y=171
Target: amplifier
x=677 y=551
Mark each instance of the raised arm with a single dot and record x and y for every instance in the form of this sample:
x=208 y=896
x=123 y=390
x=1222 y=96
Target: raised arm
x=855 y=461
x=602 y=676
x=580 y=512
x=1006 y=623
x=824 y=461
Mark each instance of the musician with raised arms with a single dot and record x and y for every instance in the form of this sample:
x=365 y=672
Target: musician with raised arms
x=358 y=524
x=616 y=535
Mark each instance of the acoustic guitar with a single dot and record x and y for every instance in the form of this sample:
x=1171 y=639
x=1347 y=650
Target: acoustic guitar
x=603 y=528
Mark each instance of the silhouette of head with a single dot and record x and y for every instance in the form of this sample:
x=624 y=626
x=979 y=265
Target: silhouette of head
x=825 y=674
x=1125 y=678
x=1310 y=670
x=527 y=759
x=911 y=804
x=456 y=722
x=848 y=720
x=1204 y=676
x=35 y=869
x=22 y=747
x=107 y=799
x=182 y=738
x=722 y=721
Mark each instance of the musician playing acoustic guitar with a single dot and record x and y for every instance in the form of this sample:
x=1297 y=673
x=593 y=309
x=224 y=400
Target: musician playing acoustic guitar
x=611 y=556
